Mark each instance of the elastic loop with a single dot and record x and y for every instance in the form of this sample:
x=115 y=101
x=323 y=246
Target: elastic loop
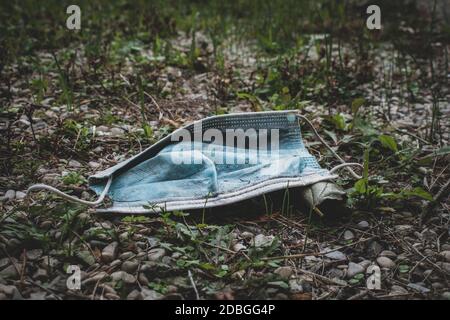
x=344 y=164
x=100 y=199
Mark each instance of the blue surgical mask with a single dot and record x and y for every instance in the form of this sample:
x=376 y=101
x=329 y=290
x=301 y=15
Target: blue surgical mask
x=216 y=161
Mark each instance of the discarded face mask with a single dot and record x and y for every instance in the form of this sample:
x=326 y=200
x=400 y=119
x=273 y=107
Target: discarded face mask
x=213 y=162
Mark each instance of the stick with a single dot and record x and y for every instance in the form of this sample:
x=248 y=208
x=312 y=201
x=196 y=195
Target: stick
x=193 y=284
x=444 y=191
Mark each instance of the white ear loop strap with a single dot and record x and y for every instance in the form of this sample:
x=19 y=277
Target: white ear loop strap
x=344 y=164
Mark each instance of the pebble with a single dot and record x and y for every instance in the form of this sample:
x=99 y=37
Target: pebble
x=123 y=276
x=239 y=246
x=385 y=262
x=335 y=273
x=363 y=225
x=284 y=272
x=444 y=265
x=295 y=286
x=375 y=248
x=74 y=164
x=117 y=132
x=354 y=269
x=126 y=255
x=336 y=255
x=143 y=280
x=9 y=195
x=263 y=241
x=40 y=274
x=418 y=287
x=93 y=164
x=20 y=195
x=152 y=241
x=348 y=235
x=130 y=266
x=109 y=253
x=446 y=255
x=149 y=294
x=10 y=271
x=395 y=289
x=445 y=295
x=102 y=129
x=388 y=253
x=8 y=290
x=156 y=254
x=95 y=278
x=134 y=295
x=34 y=254
x=247 y=235
x=403 y=229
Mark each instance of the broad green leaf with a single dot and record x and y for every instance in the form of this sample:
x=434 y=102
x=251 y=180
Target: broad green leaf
x=388 y=142
x=356 y=104
x=360 y=186
x=419 y=192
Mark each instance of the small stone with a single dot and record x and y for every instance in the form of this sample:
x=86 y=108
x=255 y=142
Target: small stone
x=152 y=241
x=130 y=266
x=10 y=195
x=354 y=269
x=117 y=132
x=134 y=295
x=126 y=255
x=284 y=272
x=404 y=229
x=238 y=275
x=335 y=273
x=295 y=286
x=446 y=255
x=128 y=278
x=4 y=262
x=95 y=278
x=445 y=295
x=93 y=164
x=363 y=225
x=239 y=246
x=247 y=235
x=438 y=285
x=102 y=129
x=143 y=280
x=38 y=295
x=263 y=241
x=395 y=289
x=34 y=254
x=148 y=294
x=388 y=253
x=336 y=255
x=74 y=164
x=8 y=290
x=156 y=254
x=348 y=235
x=141 y=256
x=385 y=262
x=375 y=248
x=10 y=271
x=418 y=287
x=109 y=253
x=3 y=297
x=20 y=195
x=40 y=274
x=444 y=265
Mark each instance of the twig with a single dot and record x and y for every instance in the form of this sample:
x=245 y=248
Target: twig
x=193 y=284
x=444 y=191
